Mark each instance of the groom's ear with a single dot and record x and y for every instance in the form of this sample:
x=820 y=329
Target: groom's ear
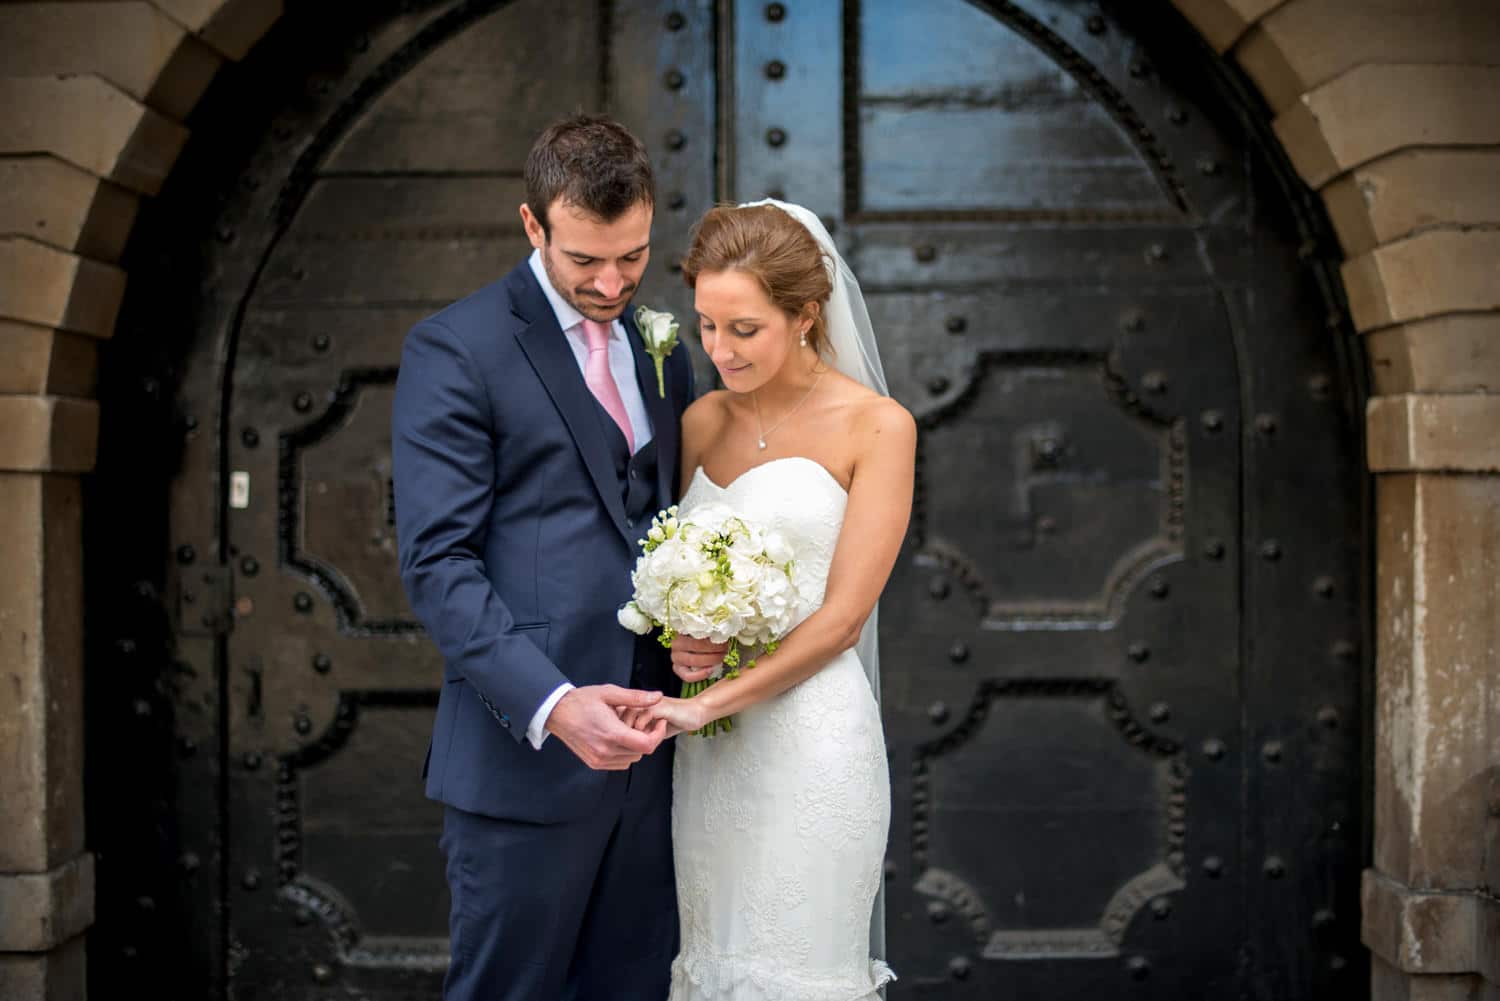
x=533 y=226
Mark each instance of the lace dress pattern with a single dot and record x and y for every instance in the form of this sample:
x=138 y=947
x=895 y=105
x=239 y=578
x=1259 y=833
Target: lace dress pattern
x=779 y=827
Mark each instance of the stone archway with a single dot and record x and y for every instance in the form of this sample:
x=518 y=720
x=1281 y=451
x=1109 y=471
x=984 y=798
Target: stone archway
x=1383 y=111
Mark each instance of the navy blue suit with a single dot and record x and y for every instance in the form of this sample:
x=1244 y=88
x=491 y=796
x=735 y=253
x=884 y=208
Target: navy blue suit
x=518 y=507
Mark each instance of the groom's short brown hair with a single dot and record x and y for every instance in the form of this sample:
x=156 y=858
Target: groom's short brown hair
x=592 y=162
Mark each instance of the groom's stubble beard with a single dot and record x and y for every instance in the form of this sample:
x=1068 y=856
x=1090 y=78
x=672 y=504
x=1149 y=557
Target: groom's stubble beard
x=579 y=298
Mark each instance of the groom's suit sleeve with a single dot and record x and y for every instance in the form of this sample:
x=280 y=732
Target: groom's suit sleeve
x=443 y=469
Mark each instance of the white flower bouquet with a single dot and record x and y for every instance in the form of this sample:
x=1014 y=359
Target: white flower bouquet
x=714 y=575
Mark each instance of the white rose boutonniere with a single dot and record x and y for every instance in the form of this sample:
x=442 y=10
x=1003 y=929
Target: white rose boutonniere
x=659 y=331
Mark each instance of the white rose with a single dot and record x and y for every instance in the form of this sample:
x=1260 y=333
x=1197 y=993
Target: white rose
x=633 y=618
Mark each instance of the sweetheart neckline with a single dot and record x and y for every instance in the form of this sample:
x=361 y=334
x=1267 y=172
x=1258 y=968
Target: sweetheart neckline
x=700 y=471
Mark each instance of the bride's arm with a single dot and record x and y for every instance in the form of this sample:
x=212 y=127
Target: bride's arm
x=875 y=523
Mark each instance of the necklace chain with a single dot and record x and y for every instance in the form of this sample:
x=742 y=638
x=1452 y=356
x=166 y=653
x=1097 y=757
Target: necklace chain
x=755 y=397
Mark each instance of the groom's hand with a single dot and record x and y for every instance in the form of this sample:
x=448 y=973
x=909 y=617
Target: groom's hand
x=586 y=720
x=693 y=659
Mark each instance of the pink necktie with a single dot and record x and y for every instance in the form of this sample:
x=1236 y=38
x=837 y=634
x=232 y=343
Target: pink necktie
x=601 y=382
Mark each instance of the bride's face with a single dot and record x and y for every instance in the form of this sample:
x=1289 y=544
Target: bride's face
x=746 y=336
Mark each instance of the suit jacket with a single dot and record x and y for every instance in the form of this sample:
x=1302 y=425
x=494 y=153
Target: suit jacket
x=514 y=543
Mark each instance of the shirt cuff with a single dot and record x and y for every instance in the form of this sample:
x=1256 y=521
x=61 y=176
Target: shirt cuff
x=537 y=731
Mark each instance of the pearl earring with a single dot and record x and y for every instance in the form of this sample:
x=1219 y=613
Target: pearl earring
x=804 y=338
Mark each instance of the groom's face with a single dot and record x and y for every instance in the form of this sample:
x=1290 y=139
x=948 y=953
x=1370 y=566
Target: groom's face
x=593 y=264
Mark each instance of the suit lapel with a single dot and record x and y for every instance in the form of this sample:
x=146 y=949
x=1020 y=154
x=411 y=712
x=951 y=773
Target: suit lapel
x=659 y=408
x=547 y=349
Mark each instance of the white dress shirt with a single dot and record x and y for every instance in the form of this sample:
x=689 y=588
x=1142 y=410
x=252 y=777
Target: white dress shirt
x=622 y=367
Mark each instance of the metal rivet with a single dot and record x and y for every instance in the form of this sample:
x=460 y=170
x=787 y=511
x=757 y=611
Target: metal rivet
x=674 y=79
x=142 y=707
x=1208 y=166
x=322 y=973
x=675 y=21
x=1154 y=382
x=958 y=652
x=959 y=968
x=249 y=566
x=1214 y=549
x=926 y=253
x=302 y=602
x=1134 y=321
x=1139 y=68
x=224 y=234
x=1323 y=587
x=189 y=862
x=1212 y=420
x=1270 y=550
x=1307 y=250
x=302 y=916
x=244 y=605
x=1139 y=652
x=1274 y=867
x=251 y=879
x=937 y=385
x=1161 y=907
x=1214 y=749
x=251 y=760
x=1095 y=25
x=187 y=746
x=1139 y=968
x=1322 y=918
x=776 y=137
x=1156 y=253
x=676 y=200
x=1177 y=116
x=938 y=713
x=1213 y=866
x=321 y=342
x=675 y=139
x=1161 y=712
x=1344 y=649
x=1329 y=717
x=302 y=725
x=322 y=663
x=775 y=12
x=1046 y=524
x=956 y=324
x=1337 y=963
x=190 y=422
x=775 y=69
x=1271 y=751
x=186 y=554
x=1159 y=588
x=1265 y=423
x=938 y=587
x=938 y=911
x=1319 y=386
x=250 y=437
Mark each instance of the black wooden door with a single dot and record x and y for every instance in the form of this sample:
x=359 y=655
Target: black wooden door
x=1121 y=649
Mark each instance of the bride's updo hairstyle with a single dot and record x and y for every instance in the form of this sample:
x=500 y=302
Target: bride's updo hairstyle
x=776 y=250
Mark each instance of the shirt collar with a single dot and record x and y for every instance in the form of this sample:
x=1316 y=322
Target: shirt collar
x=568 y=318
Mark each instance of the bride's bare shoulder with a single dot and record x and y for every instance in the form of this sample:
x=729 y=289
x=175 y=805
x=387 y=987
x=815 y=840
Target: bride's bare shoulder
x=882 y=423
x=704 y=416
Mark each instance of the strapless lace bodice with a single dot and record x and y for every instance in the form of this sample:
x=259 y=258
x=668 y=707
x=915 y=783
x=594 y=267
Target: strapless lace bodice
x=779 y=826
x=797 y=497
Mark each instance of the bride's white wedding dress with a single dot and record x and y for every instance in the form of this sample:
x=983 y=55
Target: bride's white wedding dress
x=779 y=826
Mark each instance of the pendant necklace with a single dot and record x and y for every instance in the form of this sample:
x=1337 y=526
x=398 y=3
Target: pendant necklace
x=761 y=438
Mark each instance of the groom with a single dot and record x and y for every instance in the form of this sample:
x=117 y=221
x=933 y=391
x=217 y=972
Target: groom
x=531 y=448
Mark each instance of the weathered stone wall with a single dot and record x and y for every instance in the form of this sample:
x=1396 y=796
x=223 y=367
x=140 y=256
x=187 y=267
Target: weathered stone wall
x=1387 y=108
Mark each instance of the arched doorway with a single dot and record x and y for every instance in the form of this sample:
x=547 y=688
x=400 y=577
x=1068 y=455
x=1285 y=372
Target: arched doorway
x=1122 y=649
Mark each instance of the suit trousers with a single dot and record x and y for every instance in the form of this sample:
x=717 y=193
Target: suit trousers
x=584 y=910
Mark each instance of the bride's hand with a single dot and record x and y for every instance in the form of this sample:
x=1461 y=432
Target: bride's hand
x=680 y=715
x=695 y=659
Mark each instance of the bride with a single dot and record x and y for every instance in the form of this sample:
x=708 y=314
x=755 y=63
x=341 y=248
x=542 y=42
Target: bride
x=779 y=826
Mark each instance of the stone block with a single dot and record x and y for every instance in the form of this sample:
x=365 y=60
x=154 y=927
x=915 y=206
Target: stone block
x=230 y=26
x=48 y=434
x=1222 y=22
x=1388 y=983
x=1436 y=272
x=45 y=362
x=1427 y=932
x=58 y=204
x=1377 y=108
x=52 y=288
x=1457 y=353
x=59 y=975
x=133 y=45
x=92 y=124
x=1305 y=43
x=1436 y=705
x=40 y=911
x=41 y=672
x=1414 y=190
